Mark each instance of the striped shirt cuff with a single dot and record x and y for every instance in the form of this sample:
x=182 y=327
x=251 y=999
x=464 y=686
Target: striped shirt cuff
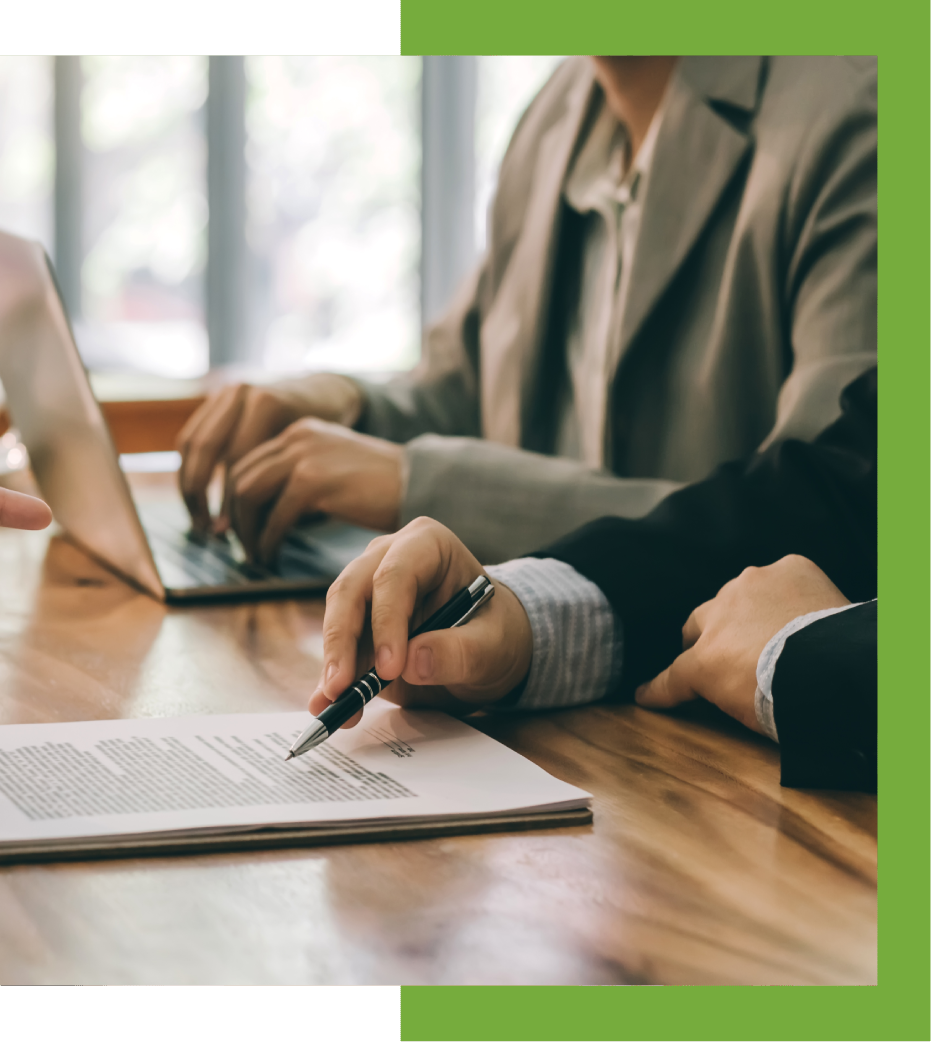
x=577 y=640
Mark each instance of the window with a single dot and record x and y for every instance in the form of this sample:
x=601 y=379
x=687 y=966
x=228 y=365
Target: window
x=348 y=194
x=333 y=204
x=144 y=214
x=27 y=151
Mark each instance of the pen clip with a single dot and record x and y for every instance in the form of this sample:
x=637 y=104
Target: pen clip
x=487 y=593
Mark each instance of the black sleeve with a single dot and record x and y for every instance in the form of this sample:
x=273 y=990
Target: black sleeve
x=816 y=499
x=824 y=703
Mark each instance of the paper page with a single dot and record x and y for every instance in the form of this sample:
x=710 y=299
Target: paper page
x=128 y=777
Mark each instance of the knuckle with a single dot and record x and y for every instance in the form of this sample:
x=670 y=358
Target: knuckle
x=244 y=489
x=217 y=399
x=749 y=577
x=303 y=472
x=334 y=641
x=338 y=588
x=307 y=428
x=383 y=616
x=795 y=562
x=203 y=442
x=367 y=562
x=260 y=397
x=423 y=525
x=332 y=631
x=294 y=433
x=389 y=573
x=379 y=543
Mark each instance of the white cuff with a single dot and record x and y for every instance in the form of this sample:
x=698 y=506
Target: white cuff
x=766 y=666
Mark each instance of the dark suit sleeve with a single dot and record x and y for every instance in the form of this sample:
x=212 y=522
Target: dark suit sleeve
x=824 y=703
x=817 y=499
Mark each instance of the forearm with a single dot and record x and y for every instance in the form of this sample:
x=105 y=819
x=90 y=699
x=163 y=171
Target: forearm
x=328 y=396
x=504 y=502
x=824 y=702
x=816 y=500
x=408 y=406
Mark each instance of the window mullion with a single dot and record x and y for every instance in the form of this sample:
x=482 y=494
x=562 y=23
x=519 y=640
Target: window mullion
x=68 y=204
x=447 y=178
x=226 y=200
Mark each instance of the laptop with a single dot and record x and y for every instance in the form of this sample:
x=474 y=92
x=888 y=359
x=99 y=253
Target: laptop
x=78 y=472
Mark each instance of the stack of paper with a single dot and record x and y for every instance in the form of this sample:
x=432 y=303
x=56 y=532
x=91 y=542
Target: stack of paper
x=221 y=782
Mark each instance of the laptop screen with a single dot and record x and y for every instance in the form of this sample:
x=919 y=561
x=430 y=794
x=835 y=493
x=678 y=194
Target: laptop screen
x=51 y=403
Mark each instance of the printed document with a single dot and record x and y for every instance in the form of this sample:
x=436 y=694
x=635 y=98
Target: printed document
x=84 y=784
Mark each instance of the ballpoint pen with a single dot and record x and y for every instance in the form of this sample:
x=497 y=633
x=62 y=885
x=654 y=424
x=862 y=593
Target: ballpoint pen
x=455 y=612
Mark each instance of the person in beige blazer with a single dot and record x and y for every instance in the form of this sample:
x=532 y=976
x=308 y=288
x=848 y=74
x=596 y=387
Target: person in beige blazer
x=681 y=270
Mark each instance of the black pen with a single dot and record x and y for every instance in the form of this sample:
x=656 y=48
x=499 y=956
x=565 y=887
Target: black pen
x=456 y=611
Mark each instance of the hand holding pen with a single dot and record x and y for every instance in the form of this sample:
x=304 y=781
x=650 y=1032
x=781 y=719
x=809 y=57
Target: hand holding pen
x=453 y=669
x=457 y=611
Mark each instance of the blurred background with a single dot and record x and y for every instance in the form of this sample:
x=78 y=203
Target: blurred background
x=273 y=213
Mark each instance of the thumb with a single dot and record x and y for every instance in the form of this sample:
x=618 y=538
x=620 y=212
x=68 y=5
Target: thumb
x=674 y=685
x=443 y=658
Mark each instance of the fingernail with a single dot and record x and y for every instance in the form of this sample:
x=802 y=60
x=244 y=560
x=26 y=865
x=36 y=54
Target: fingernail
x=331 y=672
x=424 y=663
x=383 y=657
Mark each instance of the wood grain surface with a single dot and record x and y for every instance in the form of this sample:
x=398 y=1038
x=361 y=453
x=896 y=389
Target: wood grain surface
x=698 y=868
x=151 y=425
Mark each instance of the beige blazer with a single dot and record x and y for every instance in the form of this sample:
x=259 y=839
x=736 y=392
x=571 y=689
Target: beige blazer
x=751 y=302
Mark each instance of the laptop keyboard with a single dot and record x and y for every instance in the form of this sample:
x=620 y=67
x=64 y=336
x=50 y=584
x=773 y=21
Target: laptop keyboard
x=311 y=554
x=203 y=560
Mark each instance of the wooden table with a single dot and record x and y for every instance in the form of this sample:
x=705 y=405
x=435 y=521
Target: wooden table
x=145 y=413
x=698 y=869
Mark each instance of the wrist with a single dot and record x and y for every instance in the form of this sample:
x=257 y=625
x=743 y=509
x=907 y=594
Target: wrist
x=328 y=396
x=366 y=482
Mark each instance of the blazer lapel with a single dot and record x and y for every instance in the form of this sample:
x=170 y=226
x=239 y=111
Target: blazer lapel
x=697 y=153
x=513 y=327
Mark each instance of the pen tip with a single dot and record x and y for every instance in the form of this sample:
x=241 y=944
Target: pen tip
x=290 y=756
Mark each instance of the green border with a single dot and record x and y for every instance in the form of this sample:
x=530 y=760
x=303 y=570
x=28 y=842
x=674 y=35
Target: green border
x=898 y=32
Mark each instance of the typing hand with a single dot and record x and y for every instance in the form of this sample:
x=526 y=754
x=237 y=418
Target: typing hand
x=725 y=637
x=19 y=511
x=236 y=419
x=399 y=581
x=313 y=467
